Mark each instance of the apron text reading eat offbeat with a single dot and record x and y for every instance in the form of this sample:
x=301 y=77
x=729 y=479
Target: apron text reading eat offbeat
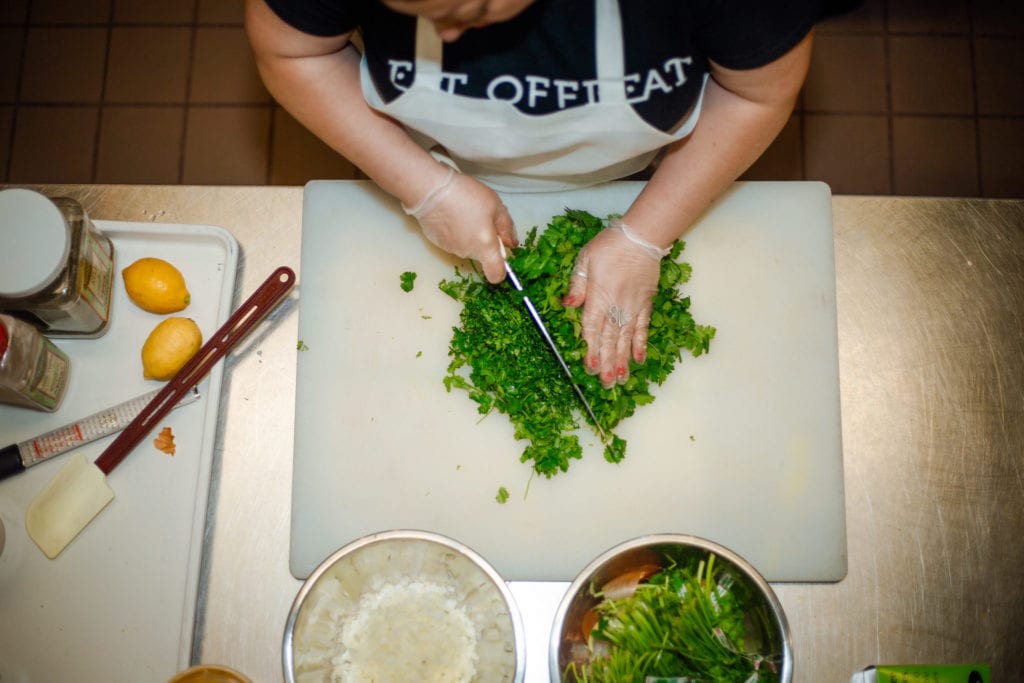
x=490 y=139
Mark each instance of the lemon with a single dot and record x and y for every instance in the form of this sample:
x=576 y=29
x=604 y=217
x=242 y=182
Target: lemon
x=169 y=346
x=156 y=286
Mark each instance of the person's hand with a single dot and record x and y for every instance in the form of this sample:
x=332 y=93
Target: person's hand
x=615 y=279
x=463 y=216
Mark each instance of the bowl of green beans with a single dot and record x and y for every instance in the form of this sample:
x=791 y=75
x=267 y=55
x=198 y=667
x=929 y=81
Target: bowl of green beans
x=671 y=608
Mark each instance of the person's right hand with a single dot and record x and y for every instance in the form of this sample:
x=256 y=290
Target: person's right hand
x=466 y=218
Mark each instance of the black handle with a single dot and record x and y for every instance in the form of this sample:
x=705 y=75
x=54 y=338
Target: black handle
x=10 y=461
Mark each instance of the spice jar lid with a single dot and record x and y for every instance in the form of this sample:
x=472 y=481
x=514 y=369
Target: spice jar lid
x=35 y=242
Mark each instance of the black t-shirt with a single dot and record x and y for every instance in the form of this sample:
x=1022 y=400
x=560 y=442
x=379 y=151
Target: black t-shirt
x=543 y=60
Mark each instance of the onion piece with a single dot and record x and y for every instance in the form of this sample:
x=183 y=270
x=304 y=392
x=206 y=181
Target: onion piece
x=624 y=585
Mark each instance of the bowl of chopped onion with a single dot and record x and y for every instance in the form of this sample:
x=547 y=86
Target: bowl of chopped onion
x=404 y=606
x=670 y=607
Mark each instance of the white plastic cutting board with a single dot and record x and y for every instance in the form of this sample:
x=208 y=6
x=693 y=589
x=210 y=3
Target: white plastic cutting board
x=741 y=446
x=119 y=603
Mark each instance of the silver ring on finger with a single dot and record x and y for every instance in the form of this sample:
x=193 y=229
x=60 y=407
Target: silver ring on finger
x=617 y=316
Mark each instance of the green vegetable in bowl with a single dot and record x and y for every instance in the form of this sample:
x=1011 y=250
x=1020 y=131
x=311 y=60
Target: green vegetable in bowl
x=500 y=360
x=685 y=623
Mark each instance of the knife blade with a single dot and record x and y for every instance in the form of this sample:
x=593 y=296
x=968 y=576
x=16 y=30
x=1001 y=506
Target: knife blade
x=539 y=322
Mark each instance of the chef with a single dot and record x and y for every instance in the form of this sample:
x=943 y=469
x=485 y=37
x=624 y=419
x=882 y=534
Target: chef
x=446 y=101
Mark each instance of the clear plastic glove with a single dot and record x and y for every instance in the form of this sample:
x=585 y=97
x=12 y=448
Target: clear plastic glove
x=615 y=279
x=461 y=215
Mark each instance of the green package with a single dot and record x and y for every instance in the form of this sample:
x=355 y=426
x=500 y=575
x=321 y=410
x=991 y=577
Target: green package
x=964 y=673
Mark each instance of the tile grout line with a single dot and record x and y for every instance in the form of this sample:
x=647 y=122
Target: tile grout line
x=97 y=137
x=193 y=39
x=979 y=176
x=890 y=123
x=9 y=164
x=268 y=171
x=197 y=105
x=800 y=137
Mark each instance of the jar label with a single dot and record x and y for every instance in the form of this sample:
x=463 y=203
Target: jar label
x=51 y=375
x=99 y=267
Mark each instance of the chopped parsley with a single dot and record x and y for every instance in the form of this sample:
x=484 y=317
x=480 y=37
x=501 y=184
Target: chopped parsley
x=407 y=279
x=499 y=358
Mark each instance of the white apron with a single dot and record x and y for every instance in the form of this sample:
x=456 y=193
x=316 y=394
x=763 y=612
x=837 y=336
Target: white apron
x=512 y=151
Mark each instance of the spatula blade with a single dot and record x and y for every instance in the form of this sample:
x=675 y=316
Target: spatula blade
x=67 y=504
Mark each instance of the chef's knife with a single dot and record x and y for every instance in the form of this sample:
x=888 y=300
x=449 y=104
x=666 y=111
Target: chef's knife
x=539 y=322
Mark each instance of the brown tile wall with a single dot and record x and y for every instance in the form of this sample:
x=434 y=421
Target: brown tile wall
x=906 y=97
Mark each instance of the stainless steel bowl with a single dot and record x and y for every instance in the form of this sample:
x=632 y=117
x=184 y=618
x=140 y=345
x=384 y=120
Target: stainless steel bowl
x=408 y=556
x=767 y=628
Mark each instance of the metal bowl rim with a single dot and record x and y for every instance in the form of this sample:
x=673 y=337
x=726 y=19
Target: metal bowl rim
x=555 y=639
x=518 y=629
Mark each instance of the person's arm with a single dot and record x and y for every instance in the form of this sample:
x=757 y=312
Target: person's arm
x=317 y=80
x=617 y=272
x=742 y=113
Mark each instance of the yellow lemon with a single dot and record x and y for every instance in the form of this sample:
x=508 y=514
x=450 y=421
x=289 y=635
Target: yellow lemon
x=155 y=286
x=169 y=346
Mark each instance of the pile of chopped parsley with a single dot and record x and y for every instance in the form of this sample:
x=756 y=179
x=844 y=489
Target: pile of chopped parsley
x=499 y=357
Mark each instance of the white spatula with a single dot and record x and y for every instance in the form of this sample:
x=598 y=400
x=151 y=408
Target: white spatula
x=80 y=491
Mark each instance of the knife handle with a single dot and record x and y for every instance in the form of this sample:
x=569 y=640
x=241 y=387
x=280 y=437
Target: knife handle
x=246 y=317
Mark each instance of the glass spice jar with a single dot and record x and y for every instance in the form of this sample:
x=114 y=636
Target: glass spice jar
x=33 y=371
x=56 y=267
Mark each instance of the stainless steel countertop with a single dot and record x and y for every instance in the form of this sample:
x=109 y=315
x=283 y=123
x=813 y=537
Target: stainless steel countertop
x=931 y=347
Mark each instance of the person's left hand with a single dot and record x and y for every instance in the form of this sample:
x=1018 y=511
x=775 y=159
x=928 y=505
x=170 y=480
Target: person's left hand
x=614 y=279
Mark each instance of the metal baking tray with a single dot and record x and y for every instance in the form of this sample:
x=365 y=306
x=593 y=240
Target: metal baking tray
x=120 y=602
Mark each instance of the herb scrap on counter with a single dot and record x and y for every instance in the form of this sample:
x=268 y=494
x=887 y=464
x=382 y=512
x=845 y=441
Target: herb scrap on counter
x=502 y=496
x=301 y=346
x=407 y=280
x=499 y=358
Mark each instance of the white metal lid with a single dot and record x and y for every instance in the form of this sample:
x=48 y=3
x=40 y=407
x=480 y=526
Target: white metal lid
x=34 y=242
